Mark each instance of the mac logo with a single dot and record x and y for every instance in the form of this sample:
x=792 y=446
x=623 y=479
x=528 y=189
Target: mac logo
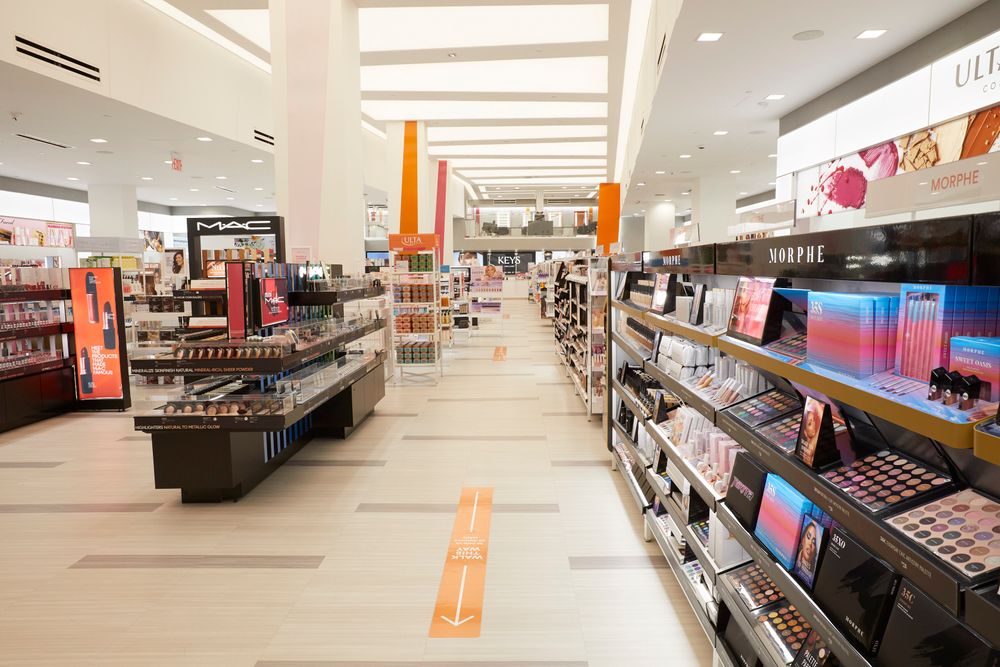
x=236 y=225
x=810 y=254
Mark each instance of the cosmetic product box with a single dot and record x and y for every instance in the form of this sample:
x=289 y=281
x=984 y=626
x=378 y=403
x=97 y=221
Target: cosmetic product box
x=921 y=633
x=745 y=488
x=856 y=589
x=843 y=330
x=979 y=357
x=738 y=644
x=779 y=519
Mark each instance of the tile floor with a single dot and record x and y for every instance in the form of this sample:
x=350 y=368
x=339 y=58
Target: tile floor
x=336 y=560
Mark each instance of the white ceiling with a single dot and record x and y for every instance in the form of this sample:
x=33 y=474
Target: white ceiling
x=710 y=86
x=138 y=145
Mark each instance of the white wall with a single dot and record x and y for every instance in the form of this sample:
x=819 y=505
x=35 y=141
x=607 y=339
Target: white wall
x=148 y=60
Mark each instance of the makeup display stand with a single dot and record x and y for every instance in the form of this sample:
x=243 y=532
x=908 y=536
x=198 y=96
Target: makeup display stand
x=461 y=320
x=931 y=434
x=250 y=404
x=416 y=314
x=581 y=305
x=486 y=296
x=36 y=351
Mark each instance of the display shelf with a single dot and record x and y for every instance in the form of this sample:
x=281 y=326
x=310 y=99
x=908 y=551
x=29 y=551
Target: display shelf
x=35 y=368
x=699 y=608
x=575 y=278
x=327 y=298
x=723 y=656
x=633 y=486
x=845 y=651
x=739 y=615
x=168 y=365
x=200 y=295
x=630 y=446
x=947 y=425
x=673 y=325
x=682 y=390
x=581 y=392
x=637 y=355
x=708 y=564
x=626 y=396
x=47 y=329
x=653 y=479
x=697 y=482
x=20 y=296
x=629 y=309
x=182 y=422
x=982 y=612
x=932 y=576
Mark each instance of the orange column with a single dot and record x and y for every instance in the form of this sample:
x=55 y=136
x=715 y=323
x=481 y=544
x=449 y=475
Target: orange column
x=408 y=197
x=609 y=210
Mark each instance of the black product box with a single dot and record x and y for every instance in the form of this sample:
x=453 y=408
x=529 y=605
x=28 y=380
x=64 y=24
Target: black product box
x=856 y=589
x=815 y=653
x=921 y=633
x=745 y=489
x=739 y=645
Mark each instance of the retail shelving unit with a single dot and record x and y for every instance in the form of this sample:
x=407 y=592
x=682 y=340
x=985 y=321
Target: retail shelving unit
x=580 y=312
x=957 y=444
x=416 y=313
x=486 y=293
x=284 y=373
x=461 y=320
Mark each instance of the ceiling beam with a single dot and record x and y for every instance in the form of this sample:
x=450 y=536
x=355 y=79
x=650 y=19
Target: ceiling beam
x=480 y=53
x=519 y=157
x=493 y=142
x=515 y=122
x=618 y=17
x=471 y=3
x=462 y=96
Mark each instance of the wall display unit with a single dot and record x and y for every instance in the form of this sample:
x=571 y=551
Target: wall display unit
x=850 y=450
x=416 y=305
x=580 y=308
x=486 y=293
x=214 y=241
x=285 y=367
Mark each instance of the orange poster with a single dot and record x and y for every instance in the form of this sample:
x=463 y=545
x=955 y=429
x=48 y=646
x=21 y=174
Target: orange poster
x=458 y=612
x=95 y=330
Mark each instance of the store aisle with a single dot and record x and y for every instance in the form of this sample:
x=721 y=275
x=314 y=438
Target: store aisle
x=336 y=559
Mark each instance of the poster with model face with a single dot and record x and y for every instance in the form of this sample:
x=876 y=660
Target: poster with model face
x=95 y=329
x=753 y=299
x=152 y=241
x=810 y=540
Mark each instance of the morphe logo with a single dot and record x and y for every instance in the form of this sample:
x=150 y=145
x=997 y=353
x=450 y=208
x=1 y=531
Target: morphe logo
x=743 y=489
x=235 y=225
x=809 y=254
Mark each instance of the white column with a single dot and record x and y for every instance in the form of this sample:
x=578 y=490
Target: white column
x=630 y=233
x=316 y=64
x=426 y=180
x=713 y=208
x=113 y=210
x=659 y=222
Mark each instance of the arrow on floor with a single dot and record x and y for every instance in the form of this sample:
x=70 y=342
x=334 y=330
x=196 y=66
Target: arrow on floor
x=461 y=593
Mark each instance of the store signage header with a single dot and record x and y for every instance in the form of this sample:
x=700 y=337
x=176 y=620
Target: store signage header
x=689 y=259
x=233 y=226
x=969 y=181
x=966 y=80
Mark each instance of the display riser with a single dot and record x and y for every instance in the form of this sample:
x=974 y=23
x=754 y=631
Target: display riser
x=212 y=466
x=34 y=398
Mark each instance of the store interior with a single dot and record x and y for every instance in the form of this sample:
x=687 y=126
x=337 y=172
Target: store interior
x=649 y=332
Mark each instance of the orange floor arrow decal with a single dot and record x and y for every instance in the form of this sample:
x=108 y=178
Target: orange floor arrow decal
x=500 y=353
x=458 y=611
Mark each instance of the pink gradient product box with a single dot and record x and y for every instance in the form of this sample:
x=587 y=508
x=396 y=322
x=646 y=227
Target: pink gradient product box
x=780 y=519
x=849 y=333
x=979 y=357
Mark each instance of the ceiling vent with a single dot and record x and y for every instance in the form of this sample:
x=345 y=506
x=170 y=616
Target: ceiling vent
x=558 y=202
x=53 y=144
x=56 y=59
x=263 y=137
x=225 y=189
x=504 y=202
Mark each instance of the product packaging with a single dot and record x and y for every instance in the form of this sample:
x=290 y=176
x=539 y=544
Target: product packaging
x=779 y=519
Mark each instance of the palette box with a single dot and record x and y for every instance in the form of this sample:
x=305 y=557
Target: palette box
x=815 y=653
x=979 y=357
x=856 y=589
x=779 y=519
x=745 y=489
x=920 y=633
x=859 y=481
x=758 y=310
x=764 y=407
x=844 y=332
x=755 y=588
x=782 y=630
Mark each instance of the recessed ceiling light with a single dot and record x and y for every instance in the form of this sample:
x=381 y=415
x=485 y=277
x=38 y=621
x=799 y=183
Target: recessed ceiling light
x=982 y=163
x=684 y=156
x=742 y=194
x=168 y=162
x=83 y=164
x=517 y=187
x=564 y=187
x=147 y=178
x=772 y=155
x=260 y=205
x=173 y=199
x=709 y=36
x=204 y=138
x=220 y=178
x=192 y=189
x=257 y=161
x=922 y=183
x=230 y=198
x=576 y=195
x=771 y=183
x=99 y=141
x=72 y=178
x=642 y=210
x=774 y=97
x=668 y=200
x=807 y=35
x=258 y=189
x=721 y=133
x=871 y=34
x=640 y=184
x=452 y=55
x=660 y=173
x=734 y=171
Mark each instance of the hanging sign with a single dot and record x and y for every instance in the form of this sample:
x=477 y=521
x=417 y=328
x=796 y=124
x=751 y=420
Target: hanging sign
x=412 y=242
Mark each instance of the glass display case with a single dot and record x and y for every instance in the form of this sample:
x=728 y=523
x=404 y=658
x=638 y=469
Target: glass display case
x=306 y=384
x=227 y=405
x=32 y=278
x=310 y=333
x=26 y=315
x=269 y=348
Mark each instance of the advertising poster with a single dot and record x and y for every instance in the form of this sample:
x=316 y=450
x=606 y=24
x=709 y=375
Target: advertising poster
x=41 y=233
x=273 y=301
x=152 y=241
x=95 y=328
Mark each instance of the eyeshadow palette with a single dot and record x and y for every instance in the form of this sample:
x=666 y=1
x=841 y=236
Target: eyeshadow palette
x=886 y=480
x=962 y=530
x=814 y=653
x=756 y=589
x=765 y=407
x=782 y=629
x=793 y=346
x=700 y=530
x=783 y=433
